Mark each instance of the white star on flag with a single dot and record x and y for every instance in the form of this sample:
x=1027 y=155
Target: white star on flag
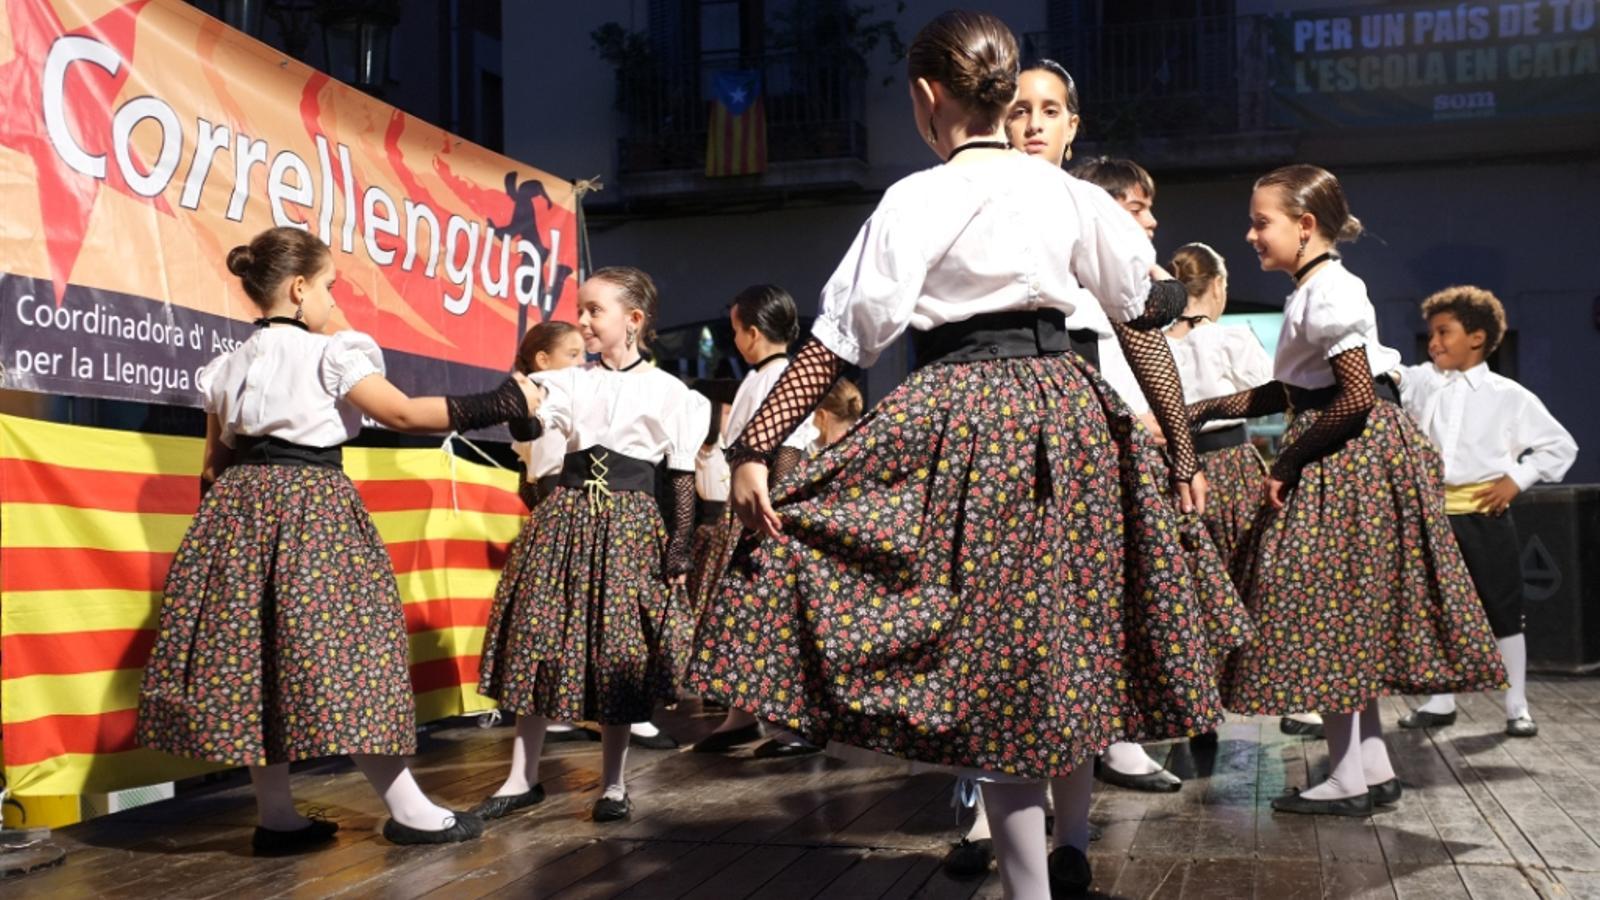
x=737 y=95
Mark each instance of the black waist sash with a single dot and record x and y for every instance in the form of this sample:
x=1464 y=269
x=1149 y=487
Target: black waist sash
x=271 y=451
x=1221 y=439
x=547 y=483
x=598 y=467
x=709 y=512
x=1004 y=335
x=1317 y=398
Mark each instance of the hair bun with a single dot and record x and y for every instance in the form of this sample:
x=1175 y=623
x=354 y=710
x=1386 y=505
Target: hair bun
x=241 y=260
x=1351 y=229
x=998 y=87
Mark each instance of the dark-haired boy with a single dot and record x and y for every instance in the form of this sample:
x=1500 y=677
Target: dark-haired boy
x=1496 y=440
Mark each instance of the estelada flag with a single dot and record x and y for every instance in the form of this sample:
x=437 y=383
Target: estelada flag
x=736 y=133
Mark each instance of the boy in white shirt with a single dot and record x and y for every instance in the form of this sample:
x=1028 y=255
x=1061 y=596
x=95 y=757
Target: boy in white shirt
x=1496 y=440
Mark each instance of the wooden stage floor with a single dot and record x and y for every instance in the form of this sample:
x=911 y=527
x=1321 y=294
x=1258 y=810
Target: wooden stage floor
x=1484 y=816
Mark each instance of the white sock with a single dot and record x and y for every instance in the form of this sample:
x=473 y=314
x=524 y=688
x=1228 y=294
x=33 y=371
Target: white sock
x=526 y=747
x=559 y=727
x=644 y=729
x=1308 y=718
x=1129 y=759
x=1439 y=704
x=1070 y=795
x=1375 y=766
x=1514 y=651
x=392 y=779
x=274 y=802
x=614 y=760
x=1346 y=778
x=1016 y=821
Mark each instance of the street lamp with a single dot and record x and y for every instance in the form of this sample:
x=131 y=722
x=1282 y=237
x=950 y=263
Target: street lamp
x=355 y=35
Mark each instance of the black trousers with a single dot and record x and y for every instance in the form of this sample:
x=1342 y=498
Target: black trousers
x=1494 y=558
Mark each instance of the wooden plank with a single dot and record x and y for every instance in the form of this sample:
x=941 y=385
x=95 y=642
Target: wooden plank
x=874 y=875
x=1427 y=881
x=1219 y=879
x=699 y=866
x=547 y=880
x=639 y=868
x=1156 y=879
x=1280 y=836
x=1497 y=883
x=1228 y=804
x=883 y=825
x=746 y=875
x=808 y=876
x=1276 y=878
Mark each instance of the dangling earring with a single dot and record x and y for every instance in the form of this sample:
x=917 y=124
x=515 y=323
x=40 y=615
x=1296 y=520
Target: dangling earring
x=1302 y=251
x=633 y=336
x=299 y=310
x=933 y=133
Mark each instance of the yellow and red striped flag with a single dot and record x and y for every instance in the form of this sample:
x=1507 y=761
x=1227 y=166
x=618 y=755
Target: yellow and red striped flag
x=736 y=135
x=89 y=520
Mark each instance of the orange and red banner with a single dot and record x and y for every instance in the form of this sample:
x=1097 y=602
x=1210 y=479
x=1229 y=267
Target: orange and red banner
x=140 y=140
x=89 y=520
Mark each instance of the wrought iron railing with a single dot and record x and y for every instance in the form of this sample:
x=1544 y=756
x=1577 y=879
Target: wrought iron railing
x=1201 y=76
x=815 y=106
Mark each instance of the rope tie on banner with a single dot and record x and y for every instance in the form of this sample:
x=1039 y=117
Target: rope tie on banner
x=580 y=189
x=450 y=453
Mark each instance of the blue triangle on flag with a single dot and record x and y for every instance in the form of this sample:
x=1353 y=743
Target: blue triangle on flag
x=736 y=89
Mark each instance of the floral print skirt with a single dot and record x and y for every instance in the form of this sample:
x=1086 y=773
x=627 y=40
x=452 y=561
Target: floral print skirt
x=583 y=625
x=1357 y=587
x=982 y=574
x=713 y=550
x=1237 y=477
x=281 y=635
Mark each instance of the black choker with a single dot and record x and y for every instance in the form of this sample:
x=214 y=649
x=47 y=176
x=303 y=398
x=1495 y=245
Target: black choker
x=763 y=364
x=1319 y=260
x=978 y=145
x=627 y=368
x=281 y=320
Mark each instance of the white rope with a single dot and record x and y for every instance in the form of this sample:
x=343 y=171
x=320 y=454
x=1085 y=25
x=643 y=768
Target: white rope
x=449 y=451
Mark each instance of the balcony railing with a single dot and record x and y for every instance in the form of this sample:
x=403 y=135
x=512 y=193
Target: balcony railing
x=1192 y=77
x=815 y=108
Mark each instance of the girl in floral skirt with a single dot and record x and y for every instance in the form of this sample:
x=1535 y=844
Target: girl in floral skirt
x=1356 y=583
x=947 y=583
x=589 y=622
x=281 y=635
x=765 y=322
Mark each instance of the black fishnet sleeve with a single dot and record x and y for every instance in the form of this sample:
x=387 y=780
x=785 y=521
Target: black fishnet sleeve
x=505 y=403
x=1335 y=422
x=786 y=460
x=1166 y=302
x=798 y=391
x=1264 y=400
x=1153 y=367
x=680 y=555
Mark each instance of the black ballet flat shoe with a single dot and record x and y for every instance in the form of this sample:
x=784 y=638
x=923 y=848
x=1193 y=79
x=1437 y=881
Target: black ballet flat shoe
x=271 y=842
x=776 y=749
x=969 y=859
x=497 y=807
x=579 y=733
x=1070 y=875
x=723 y=741
x=1386 y=794
x=465 y=827
x=1158 y=782
x=658 y=741
x=609 y=810
x=1357 y=807
x=1421 y=718
x=1297 y=728
x=1522 y=727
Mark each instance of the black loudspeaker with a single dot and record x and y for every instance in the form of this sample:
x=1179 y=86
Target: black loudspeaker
x=1560 y=532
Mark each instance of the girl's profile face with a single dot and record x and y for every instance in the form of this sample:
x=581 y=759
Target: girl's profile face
x=603 y=318
x=1273 y=234
x=1039 y=123
x=744 y=338
x=315 y=297
x=567 y=352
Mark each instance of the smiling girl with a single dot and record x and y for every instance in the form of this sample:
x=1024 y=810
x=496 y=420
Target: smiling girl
x=1356 y=582
x=587 y=623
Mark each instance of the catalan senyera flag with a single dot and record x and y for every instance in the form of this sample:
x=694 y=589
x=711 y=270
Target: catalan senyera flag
x=89 y=520
x=736 y=133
